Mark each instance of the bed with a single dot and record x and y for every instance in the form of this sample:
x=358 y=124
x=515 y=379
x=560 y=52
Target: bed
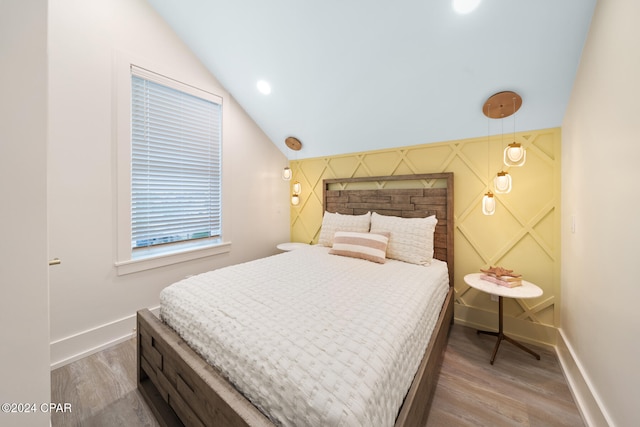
x=182 y=388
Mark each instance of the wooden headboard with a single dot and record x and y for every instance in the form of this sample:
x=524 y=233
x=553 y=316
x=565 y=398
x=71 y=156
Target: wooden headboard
x=409 y=198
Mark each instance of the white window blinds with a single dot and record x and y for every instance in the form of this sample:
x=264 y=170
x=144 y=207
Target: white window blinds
x=176 y=161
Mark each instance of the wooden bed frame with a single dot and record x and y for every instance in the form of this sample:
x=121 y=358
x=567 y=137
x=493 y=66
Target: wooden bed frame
x=182 y=389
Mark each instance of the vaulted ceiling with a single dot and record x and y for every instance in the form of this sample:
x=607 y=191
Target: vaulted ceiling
x=359 y=75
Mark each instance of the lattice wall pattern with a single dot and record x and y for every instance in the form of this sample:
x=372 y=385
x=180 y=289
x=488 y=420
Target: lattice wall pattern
x=524 y=233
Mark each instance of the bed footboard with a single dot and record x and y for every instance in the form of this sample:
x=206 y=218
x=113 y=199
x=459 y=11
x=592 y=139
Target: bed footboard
x=181 y=388
x=415 y=409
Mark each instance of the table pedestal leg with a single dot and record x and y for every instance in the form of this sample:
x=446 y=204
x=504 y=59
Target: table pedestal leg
x=501 y=336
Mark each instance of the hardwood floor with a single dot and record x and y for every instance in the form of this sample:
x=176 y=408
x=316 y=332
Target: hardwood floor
x=102 y=390
x=517 y=390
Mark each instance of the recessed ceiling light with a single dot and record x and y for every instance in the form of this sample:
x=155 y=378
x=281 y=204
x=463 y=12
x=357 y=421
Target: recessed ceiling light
x=465 y=6
x=264 y=87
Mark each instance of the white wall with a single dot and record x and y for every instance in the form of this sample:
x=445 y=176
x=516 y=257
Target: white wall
x=600 y=187
x=24 y=291
x=90 y=304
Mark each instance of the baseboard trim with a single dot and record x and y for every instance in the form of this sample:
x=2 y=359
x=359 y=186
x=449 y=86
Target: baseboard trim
x=86 y=343
x=588 y=402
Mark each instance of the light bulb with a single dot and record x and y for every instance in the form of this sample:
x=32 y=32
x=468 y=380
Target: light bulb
x=295 y=200
x=297 y=188
x=514 y=154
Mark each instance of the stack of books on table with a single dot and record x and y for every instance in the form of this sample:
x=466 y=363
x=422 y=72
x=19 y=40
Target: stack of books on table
x=502 y=276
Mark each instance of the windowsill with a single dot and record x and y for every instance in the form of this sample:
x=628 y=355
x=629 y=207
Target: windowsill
x=148 y=259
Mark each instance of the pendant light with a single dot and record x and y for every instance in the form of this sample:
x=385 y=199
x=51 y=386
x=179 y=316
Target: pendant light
x=502 y=180
x=488 y=204
x=286 y=173
x=488 y=201
x=294 y=144
x=295 y=193
x=499 y=106
x=514 y=154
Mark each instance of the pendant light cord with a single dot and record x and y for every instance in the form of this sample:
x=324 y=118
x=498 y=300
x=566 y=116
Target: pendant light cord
x=488 y=146
x=514 y=119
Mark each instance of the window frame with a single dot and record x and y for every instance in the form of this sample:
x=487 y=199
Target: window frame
x=129 y=260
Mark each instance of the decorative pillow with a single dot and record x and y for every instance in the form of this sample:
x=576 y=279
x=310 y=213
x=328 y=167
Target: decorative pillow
x=369 y=246
x=332 y=222
x=411 y=239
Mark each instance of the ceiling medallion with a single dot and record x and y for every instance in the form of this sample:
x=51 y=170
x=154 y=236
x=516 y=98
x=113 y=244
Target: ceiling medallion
x=503 y=104
x=293 y=143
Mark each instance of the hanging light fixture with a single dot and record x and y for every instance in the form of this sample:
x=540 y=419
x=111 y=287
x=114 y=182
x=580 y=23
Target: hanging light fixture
x=488 y=204
x=296 y=189
x=499 y=106
x=286 y=173
x=502 y=180
x=514 y=154
x=294 y=144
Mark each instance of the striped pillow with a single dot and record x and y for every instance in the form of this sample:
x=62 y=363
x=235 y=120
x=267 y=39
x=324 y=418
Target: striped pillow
x=368 y=246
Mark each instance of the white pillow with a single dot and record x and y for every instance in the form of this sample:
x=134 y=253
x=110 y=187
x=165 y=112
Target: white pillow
x=368 y=246
x=332 y=222
x=411 y=239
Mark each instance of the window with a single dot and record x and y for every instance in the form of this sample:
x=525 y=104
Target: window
x=169 y=195
x=175 y=163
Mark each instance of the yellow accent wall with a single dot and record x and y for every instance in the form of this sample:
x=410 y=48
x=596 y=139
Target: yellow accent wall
x=523 y=235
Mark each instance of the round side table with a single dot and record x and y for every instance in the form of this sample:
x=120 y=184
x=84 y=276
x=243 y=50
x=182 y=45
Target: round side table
x=290 y=246
x=527 y=290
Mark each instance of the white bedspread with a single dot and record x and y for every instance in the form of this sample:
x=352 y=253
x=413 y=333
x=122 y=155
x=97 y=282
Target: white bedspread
x=313 y=339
